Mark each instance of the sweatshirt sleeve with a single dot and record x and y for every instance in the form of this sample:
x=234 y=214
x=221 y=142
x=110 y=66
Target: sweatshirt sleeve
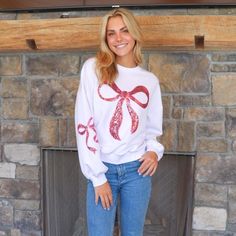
x=86 y=138
x=154 y=123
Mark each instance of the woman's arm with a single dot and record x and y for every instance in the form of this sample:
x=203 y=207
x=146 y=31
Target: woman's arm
x=87 y=142
x=154 y=149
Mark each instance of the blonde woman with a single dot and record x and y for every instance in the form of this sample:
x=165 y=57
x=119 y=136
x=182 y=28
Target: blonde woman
x=118 y=115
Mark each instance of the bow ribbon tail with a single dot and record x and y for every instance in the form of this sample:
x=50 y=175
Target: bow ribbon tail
x=116 y=120
x=82 y=129
x=91 y=126
x=92 y=149
x=95 y=139
x=134 y=117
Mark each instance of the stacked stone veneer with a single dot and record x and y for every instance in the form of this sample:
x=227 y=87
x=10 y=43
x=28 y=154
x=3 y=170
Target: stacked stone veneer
x=37 y=98
x=200 y=115
x=37 y=101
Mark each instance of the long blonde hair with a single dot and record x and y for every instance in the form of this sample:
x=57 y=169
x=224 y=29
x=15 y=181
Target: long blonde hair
x=105 y=64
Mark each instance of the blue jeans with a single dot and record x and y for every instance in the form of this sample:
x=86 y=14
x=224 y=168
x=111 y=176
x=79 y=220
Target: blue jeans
x=133 y=191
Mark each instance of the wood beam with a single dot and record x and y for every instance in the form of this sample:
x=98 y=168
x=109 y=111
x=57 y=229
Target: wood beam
x=160 y=32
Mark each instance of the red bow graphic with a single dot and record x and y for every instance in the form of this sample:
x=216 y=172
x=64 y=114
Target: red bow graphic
x=117 y=118
x=84 y=129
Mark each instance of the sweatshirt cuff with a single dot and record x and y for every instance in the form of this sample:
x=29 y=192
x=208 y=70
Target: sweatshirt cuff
x=159 y=150
x=99 y=180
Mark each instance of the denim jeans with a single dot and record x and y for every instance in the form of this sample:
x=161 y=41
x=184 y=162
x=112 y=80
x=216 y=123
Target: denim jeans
x=133 y=191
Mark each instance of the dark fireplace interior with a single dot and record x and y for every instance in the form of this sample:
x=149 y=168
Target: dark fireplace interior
x=64 y=190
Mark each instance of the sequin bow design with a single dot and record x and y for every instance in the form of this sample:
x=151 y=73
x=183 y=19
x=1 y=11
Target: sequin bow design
x=86 y=129
x=122 y=96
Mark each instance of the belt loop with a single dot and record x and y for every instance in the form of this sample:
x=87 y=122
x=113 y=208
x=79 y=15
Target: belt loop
x=121 y=169
x=124 y=169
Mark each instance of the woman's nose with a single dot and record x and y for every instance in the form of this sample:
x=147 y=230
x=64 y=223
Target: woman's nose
x=118 y=37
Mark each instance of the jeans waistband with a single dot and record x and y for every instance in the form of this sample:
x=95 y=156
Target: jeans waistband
x=122 y=168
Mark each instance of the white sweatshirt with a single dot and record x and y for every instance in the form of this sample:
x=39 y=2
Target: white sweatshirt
x=117 y=123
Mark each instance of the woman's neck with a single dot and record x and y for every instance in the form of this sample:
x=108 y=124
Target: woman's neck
x=126 y=62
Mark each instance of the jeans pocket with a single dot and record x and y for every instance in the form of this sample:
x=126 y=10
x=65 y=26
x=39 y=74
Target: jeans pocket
x=133 y=164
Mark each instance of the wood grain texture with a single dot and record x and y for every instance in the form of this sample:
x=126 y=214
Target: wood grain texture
x=159 y=32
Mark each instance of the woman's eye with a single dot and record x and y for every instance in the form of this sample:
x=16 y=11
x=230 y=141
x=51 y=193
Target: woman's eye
x=110 y=34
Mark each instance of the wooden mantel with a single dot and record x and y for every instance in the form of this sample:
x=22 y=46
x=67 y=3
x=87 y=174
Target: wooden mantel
x=160 y=32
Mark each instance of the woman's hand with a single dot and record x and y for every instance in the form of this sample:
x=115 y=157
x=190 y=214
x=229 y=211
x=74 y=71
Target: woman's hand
x=149 y=164
x=105 y=194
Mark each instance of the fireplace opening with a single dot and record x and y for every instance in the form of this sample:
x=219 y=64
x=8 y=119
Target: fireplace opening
x=64 y=192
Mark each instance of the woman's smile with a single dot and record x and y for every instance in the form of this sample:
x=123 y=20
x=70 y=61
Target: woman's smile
x=121 y=45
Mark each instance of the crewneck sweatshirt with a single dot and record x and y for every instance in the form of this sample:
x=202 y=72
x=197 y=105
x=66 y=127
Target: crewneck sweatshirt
x=116 y=123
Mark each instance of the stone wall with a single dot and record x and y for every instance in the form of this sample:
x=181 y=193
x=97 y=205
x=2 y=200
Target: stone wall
x=37 y=93
x=199 y=101
x=37 y=101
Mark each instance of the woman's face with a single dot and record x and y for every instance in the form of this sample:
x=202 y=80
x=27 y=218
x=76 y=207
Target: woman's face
x=119 y=40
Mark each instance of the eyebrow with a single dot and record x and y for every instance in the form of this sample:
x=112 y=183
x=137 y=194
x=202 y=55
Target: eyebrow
x=125 y=27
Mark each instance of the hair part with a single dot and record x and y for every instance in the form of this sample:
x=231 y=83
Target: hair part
x=106 y=68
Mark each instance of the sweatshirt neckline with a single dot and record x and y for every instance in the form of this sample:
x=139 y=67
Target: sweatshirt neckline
x=120 y=67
